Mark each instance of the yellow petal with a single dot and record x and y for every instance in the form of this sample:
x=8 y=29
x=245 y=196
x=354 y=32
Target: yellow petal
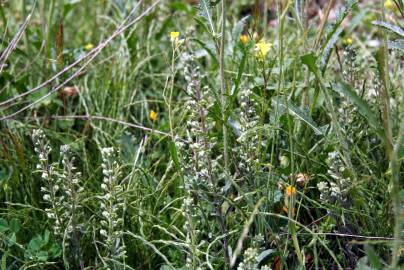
x=153 y=115
x=262 y=48
x=89 y=46
x=290 y=191
x=244 y=39
x=174 y=35
x=348 y=41
x=389 y=5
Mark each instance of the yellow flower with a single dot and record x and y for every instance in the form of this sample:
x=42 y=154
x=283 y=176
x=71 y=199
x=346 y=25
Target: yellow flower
x=153 y=115
x=89 y=46
x=389 y=4
x=348 y=41
x=262 y=48
x=174 y=36
x=290 y=191
x=244 y=39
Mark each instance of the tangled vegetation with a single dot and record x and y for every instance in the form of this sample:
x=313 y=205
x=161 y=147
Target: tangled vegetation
x=248 y=135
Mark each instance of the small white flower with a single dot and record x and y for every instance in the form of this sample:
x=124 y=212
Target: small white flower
x=103 y=233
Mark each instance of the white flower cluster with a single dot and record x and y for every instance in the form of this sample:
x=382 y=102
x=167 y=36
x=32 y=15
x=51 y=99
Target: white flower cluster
x=112 y=208
x=51 y=190
x=248 y=138
x=73 y=194
x=250 y=261
x=338 y=188
x=351 y=68
x=200 y=166
x=62 y=192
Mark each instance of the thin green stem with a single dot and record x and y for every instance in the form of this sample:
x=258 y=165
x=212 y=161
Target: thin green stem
x=223 y=91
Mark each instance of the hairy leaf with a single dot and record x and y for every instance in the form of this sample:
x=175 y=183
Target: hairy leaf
x=335 y=30
x=205 y=10
x=392 y=28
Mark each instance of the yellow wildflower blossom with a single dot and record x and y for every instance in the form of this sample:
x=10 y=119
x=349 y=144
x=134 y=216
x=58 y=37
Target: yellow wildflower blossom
x=244 y=39
x=348 y=41
x=262 y=48
x=89 y=46
x=290 y=191
x=153 y=115
x=174 y=36
x=389 y=4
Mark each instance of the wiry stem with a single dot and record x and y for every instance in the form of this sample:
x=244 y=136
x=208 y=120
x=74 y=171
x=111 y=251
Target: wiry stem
x=223 y=90
x=223 y=94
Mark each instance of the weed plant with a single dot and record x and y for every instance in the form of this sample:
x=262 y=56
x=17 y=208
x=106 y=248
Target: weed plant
x=248 y=135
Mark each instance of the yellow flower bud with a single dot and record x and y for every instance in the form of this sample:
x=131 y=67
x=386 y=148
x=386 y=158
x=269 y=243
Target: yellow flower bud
x=244 y=39
x=290 y=191
x=348 y=41
x=89 y=46
x=153 y=115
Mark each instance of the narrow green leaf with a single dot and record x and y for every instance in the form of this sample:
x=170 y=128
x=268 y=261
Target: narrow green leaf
x=298 y=113
x=4 y=261
x=391 y=27
x=208 y=50
x=239 y=75
x=174 y=156
x=335 y=30
x=328 y=47
x=374 y=259
x=363 y=108
x=310 y=60
x=238 y=28
x=266 y=254
x=203 y=25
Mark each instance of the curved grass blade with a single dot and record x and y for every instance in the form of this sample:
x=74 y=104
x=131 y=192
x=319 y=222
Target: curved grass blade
x=363 y=108
x=335 y=30
x=298 y=113
x=392 y=28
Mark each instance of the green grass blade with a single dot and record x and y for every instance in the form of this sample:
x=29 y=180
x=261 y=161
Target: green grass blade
x=363 y=108
x=298 y=113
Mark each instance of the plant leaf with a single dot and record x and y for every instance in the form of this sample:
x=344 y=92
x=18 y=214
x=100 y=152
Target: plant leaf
x=328 y=47
x=298 y=113
x=174 y=156
x=393 y=28
x=239 y=75
x=205 y=10
x=363 y=108
x=3 y=225
x=238 y=28
x=14 y=225
x=265 y=254
x=335 y=30
x=310 y=60
x=374 y=259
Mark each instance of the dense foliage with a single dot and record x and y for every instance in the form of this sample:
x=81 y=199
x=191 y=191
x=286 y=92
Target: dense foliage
x=201 y=134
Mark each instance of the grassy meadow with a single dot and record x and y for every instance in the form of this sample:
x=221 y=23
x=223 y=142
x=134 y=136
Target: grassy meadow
x=204 y=134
